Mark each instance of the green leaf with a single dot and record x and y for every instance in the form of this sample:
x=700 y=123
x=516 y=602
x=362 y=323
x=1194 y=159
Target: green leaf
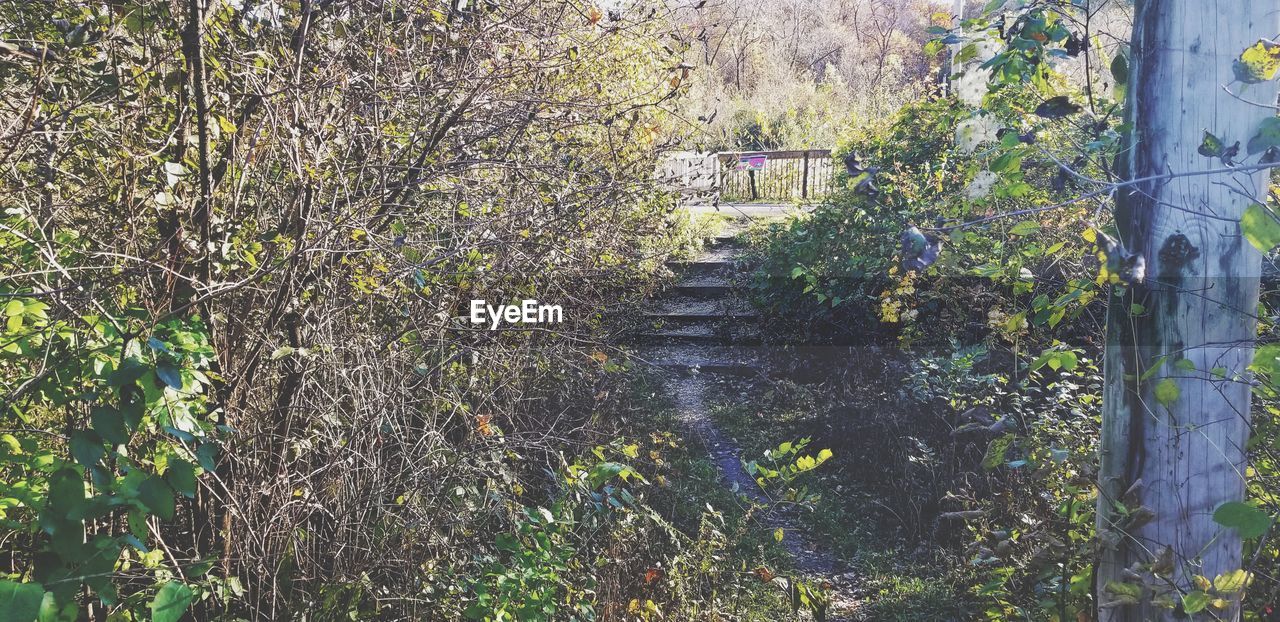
x=778 y=534
x=1248 y=521
x=1258 y=62
x=1268 y=136
x=1124 y=590
x=1008 y=161
x=86 y=447
x=1120 y=69
x=993 y=6
x=49 y=610
x=603 y=472
x=182 y=476
x=1057 y=108
x=171 y=602
x=109 y=424
x=154 y=493
x=206 y=454
x=1167 y=391
x=1195 y=602
x=15 y=307
x=20 y=602
x=1025 y=228
x=130 y=371
x=994 y=456
x=1266 y=359
x=169 y=375
x=1260 y=227
x=1211 y=146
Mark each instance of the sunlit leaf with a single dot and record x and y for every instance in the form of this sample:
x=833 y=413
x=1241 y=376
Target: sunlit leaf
x=1195 y=601
x=171 y=602
x=1260 y=227
x=20 y=602
x=1167 y=391
x=1258 y=63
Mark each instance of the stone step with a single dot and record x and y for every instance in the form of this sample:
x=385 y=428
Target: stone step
x=747 y=361
x=688 y=308
x=719 y=253
x=703 y=266
x=727 y=241
x=702 y=333
x=703 y=281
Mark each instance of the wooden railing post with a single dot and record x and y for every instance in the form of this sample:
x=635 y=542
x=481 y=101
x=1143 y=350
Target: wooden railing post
x=804 y=178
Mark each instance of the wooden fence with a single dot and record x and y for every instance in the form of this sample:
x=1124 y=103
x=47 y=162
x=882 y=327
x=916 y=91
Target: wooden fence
x=775 y=175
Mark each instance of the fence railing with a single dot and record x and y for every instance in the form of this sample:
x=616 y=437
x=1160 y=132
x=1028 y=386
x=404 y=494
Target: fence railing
x=807 y=174
x=776 y=175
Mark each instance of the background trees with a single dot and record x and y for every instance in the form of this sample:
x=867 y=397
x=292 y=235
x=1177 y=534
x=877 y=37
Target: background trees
x=789 y=74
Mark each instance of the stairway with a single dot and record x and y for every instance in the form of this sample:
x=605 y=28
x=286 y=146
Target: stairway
x=702 y=323
x=702 y=328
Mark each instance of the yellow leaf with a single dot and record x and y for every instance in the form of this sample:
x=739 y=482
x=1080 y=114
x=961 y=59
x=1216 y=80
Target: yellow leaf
x=1231 y=582
x=1258 y=63
x=483 y=426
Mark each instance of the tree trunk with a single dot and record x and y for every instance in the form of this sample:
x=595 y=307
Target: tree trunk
x=1174 y=432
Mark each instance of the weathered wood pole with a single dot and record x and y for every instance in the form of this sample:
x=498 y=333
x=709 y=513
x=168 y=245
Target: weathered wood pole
x=953 y=69
x=1174 y=430
x=804 y=181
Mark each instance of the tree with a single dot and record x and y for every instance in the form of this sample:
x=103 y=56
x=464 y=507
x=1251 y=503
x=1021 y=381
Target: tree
x=1180 y=340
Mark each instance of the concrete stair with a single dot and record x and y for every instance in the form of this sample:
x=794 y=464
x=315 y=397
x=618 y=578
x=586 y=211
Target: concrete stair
x=691 y=324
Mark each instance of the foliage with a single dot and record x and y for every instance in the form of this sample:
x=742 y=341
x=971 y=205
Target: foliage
x=238 y=244
x=781 y=467
x=110 y=396
x=999 y=345
x=773 y=75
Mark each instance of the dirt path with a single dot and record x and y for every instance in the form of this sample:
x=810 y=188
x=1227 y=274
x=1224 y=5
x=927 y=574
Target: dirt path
x=703 y=329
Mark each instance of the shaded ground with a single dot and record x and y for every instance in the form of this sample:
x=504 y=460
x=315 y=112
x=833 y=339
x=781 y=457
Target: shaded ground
x=702 y=331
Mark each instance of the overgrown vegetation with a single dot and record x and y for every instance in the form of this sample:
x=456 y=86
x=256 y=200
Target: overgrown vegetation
x=987 y=318
x=240 y=241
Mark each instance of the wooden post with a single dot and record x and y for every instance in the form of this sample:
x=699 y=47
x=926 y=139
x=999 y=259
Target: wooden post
x=751 y=177
x=953 y=66
x=804 y=178
x=1175 y=412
